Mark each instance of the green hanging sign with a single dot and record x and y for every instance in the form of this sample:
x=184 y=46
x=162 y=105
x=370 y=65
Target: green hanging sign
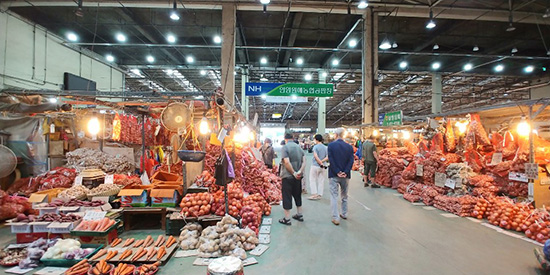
x=393 y=118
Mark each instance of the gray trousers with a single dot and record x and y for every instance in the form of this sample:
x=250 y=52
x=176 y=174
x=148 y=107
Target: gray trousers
x=342 y=184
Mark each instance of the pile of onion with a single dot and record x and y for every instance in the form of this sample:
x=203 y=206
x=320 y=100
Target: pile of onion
x=480 y=208
x=537 y=226
x=196 y=204
x=251 y=218
x=234 y=199
x=507 y=214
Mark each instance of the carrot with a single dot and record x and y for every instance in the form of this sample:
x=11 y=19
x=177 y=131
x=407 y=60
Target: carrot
x=126 y=254
x=128 y=242
x=160 y=241
x=146 y=242
x=150 y=254
x=77 y=271
x=99 y=254
x=140 y=252
x=116 y=242
x=113 y=254
x=171 y=241
x=138 y=243
x=107 y=225
x=161 y=253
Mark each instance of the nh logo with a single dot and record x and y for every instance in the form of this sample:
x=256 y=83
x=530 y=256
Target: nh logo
x=254 y=88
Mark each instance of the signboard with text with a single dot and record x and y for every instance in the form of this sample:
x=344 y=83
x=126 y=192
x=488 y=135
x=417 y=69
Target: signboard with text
x=289 y=89
x=393 y=118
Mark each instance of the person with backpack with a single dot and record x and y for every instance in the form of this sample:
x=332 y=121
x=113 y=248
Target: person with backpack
x=268 y=154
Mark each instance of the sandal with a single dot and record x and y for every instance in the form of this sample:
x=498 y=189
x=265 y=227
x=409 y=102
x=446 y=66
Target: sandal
x=285 y=221
x=298 y=217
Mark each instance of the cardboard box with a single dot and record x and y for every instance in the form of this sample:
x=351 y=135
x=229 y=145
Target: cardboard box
x=56 y=148
x=104 y=240
x=165 y=176
x=37 y=199
x=137 y=196
x=166 y=196
x=30 y=237
x=541 y=194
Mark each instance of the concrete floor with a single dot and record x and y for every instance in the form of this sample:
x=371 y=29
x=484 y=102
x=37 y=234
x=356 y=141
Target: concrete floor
x=383 y=235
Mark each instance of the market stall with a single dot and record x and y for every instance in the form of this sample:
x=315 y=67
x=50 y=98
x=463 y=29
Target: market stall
x=486 y=163
x=179 y=160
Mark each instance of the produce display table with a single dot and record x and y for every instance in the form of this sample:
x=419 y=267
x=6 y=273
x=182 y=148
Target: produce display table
x=131 y=211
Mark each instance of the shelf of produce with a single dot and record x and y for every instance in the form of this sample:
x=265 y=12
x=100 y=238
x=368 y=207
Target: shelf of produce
x=71 y=262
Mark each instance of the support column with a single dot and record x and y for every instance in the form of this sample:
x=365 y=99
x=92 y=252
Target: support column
x=245 y=108
x=370 y=67
x=229 y=18
x=436 y=93
x=322 y=108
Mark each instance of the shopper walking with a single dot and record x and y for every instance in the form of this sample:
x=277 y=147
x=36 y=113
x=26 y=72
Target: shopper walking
x=268 y=154
x=340 y=155
x=294 y=162
x=317 y=172
x=370 y=158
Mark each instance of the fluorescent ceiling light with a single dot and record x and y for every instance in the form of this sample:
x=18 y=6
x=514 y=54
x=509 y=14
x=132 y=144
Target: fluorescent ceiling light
x=263 y=60
x=174 y=15
x=150 y=59
x=529 y=69
x=71 y=36
x=385 y=44
x=363 y=5
x=136 y=71
x=308 y=77
x=499 y=68
x=300 y=61
x=468 y=67
x=403 y=64
x=335 y=62
x=120 y=37
x=171 y=38
x=352 y=43
x=110 y=58
x=217 y=39
x=436 y=65
x=190 y=59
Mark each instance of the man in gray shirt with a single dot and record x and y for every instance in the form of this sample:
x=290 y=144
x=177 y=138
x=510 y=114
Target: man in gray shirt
x=294 y=162
x=318 y=172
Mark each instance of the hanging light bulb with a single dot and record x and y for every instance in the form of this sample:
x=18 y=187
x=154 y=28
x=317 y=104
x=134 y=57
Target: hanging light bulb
x=431 y=23
x=523 y=128
x=93 y=127
x=462 y=126
x=406 y=135
x=203 y=127
x=174 y=13
x=475 y=49
x=375 y=133
x=514 y=50
x=436 y=47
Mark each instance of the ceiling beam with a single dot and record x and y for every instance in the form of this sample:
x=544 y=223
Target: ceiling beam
x=332 y=7
x=292 y=37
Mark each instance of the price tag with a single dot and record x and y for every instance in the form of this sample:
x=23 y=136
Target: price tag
x=94 y=215
x=109 y=179
x=17 y=270
x=440 y=179
x=222 y=134
x=250 y=261
x=496 y=159
x=450 y=183
x=406 y=162
x=420 y=170
x=518 y=177
x=78 y=180
x=157 y=130
x=531 y=189
x=145 y=179
x=51 y=271
x=259 y=250
x=532 y=170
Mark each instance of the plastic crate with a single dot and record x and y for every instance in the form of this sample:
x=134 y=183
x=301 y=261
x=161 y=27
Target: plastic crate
x=69 y=263
x=173 y=227
x=21 y=227
x=39 y=227
x=95 y=233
